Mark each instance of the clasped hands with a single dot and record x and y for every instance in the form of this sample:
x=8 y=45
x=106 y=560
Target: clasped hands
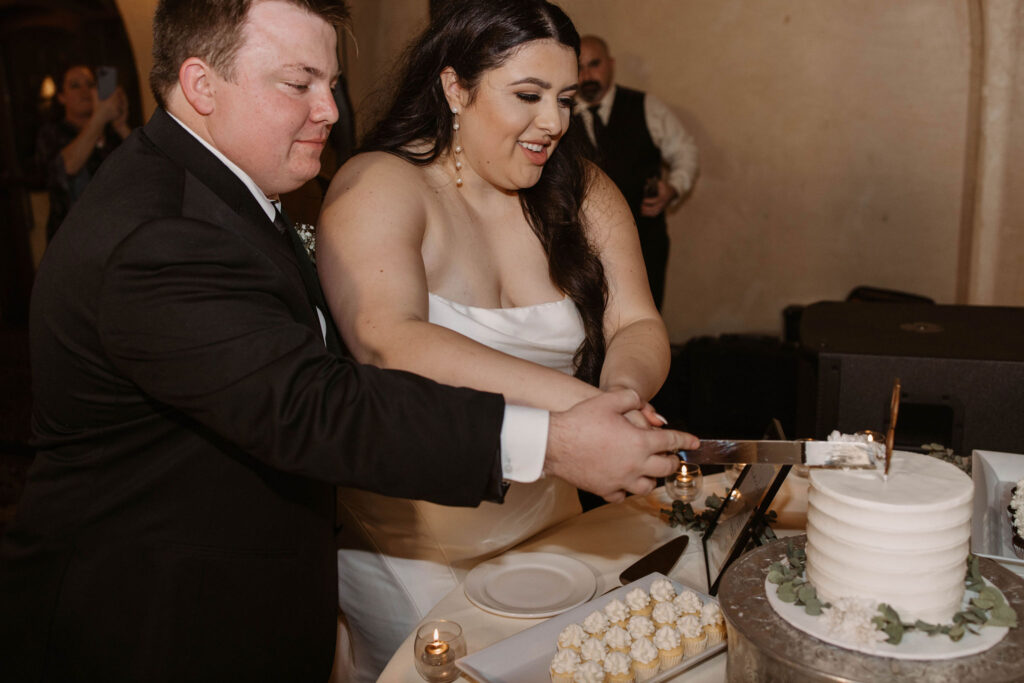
x=601 y=445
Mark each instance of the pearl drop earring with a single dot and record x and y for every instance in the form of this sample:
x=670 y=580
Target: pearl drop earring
x=457 y=149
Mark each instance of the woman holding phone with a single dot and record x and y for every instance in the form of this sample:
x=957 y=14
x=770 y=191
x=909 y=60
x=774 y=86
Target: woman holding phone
x=70 y=149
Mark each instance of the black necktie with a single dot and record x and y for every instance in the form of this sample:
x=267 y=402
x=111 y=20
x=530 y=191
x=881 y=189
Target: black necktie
x=310 y=280
x=600 y=131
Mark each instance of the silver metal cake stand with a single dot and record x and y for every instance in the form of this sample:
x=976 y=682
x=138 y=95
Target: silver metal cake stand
x=763 y=647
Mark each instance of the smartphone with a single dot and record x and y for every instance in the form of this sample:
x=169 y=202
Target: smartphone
x=106 y=81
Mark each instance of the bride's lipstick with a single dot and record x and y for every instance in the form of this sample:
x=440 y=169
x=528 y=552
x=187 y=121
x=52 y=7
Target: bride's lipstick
x=535 y=152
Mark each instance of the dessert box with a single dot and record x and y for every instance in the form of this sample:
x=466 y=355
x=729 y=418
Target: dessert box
x=995 y=474
x=525 y=657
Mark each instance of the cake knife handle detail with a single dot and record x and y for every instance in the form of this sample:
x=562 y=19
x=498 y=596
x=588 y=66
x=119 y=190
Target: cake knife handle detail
x=894 y=409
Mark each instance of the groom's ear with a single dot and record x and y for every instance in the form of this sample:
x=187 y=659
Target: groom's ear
x=456 y=95
x=197 y=86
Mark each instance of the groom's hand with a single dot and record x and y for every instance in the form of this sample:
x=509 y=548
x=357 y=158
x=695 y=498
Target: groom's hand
x=595 y=447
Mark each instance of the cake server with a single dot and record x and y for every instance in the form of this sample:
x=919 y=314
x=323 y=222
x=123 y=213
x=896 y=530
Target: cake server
x=661 y=559
x=830 y=454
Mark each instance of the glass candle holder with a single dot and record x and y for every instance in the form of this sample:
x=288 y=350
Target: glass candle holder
x=438 y=644
x=686 y=484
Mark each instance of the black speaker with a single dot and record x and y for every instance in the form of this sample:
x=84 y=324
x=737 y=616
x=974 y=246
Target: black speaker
x=961 y=372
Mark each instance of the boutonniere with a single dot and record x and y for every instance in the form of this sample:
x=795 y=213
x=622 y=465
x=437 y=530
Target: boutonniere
x=307 y=233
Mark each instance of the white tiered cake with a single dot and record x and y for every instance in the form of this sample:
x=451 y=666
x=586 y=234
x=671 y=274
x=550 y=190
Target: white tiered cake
x=903 y=540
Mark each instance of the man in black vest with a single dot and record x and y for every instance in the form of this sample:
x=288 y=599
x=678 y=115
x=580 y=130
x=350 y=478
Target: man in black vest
x=635 y=134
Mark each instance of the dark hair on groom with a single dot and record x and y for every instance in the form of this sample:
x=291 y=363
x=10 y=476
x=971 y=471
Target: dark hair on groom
x=473 y=37
x=212 y=31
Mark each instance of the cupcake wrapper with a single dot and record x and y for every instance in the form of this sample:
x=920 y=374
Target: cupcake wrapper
x=694 y=646
x=670 y=660
x=1018 y=546
x=645 y=672
x=715 y=633
x=628 y=677
x=560 y=677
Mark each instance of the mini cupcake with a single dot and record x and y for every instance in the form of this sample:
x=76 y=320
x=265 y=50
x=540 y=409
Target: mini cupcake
x=617 y=639
x=571 y=638
x=640 y=627
x=692 y=635
x=713 y=622
x=596 y=624
x=618 y=667
x=664 y=614
x=589 y=672
x=617 y=613
x=662 y=590
x=670 y=646
x=563 y=666
x=645 y=659
x=639 y=603
x=593 y=650
x=687 y=602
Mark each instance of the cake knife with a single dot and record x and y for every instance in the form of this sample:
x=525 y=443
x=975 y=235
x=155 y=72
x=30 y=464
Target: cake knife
x=824 y=454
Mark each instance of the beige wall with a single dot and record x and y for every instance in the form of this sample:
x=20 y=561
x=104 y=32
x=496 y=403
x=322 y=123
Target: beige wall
x=832 y=138
x=842 y=144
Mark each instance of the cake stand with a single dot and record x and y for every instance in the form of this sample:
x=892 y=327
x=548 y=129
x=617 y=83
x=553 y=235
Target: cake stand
x=763 y=647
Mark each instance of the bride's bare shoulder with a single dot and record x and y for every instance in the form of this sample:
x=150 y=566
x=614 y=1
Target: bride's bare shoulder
x=371 y=171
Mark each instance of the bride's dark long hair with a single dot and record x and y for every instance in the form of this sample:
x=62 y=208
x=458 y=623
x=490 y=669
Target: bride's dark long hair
x=472 y=37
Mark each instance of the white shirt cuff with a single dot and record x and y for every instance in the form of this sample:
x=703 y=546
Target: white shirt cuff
x=524 y=440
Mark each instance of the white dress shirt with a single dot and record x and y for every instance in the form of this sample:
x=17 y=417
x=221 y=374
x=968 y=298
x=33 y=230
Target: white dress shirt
x=524 y=430
x=678 y=148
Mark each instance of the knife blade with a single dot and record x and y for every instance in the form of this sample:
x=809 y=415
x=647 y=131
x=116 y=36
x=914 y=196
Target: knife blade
x=661 y=559
x=824 y=454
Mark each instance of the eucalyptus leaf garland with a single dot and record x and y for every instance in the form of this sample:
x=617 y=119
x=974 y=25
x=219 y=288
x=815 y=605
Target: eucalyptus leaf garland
x=989 y=608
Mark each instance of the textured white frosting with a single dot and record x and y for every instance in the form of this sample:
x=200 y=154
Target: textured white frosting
x=710 y=614
x=618 y=638
x=616 y=610
x=565 y=662
x=690 y=627
x=617 y=663
x=637 y=598
x=571 y=636
x=850 y=620
x=688 y=603
x=596 y=622
x=643 y=651
x=593 y=650
x=666 y=638
x=640 y=627
x=589 y=672
x=665 y=613
x=662 y=590
x=901 y=540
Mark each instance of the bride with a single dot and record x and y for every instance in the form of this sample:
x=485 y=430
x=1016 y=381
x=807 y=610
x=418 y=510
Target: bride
x=471 y=243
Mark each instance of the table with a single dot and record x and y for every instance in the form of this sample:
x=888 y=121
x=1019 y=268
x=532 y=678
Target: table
x=608 y=539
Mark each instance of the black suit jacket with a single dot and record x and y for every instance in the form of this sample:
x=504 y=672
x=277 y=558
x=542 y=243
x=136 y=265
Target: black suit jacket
x=178 y=519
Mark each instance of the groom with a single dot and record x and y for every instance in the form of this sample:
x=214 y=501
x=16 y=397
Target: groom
x=178 y=520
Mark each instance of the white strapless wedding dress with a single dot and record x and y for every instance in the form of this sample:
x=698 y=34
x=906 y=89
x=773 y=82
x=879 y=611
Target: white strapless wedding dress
x=400 y=557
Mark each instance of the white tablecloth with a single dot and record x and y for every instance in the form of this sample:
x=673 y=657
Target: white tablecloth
x=608 y=539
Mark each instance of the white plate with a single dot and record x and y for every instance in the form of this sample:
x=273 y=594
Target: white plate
x=994 y=476
x=915 y=645
x=526 y=656
x=530 y=584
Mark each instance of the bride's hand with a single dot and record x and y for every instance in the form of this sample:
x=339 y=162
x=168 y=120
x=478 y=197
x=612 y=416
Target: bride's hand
x=644 y=418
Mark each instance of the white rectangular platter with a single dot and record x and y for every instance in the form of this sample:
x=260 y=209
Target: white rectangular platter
x=994 y=476
x=524 y=657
